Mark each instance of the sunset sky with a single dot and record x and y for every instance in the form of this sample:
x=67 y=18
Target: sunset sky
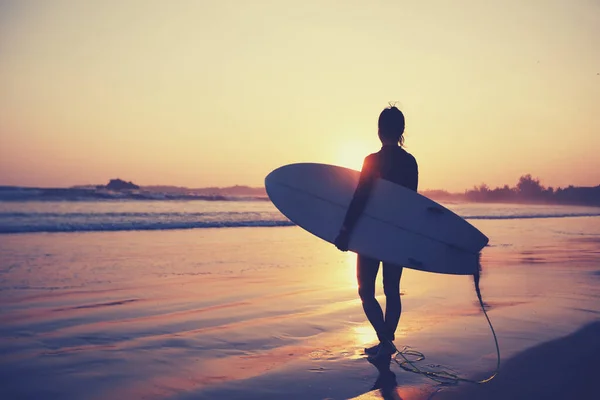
x=203 y=93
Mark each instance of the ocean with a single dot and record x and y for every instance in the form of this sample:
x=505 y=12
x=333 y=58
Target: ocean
x=126 y=215
x=171 y=299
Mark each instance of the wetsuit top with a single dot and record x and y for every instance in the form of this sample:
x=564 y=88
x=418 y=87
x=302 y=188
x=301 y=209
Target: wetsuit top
x=391 y=163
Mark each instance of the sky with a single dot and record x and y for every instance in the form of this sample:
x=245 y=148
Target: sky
x=218 y=93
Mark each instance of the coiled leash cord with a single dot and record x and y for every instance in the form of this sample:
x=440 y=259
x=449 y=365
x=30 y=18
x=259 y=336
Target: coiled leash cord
x=445 y=377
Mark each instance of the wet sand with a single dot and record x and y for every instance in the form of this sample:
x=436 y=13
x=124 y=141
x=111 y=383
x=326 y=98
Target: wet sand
x=564 y=368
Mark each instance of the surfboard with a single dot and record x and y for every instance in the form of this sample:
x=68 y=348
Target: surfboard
x=398 y=225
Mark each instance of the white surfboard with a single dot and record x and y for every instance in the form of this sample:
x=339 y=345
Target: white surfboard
x=398 y=225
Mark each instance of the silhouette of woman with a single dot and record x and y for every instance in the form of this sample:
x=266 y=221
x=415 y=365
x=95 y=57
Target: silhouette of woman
x=394 y=164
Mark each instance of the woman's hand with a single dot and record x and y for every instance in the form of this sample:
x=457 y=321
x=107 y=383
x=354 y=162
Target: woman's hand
x=342 y=239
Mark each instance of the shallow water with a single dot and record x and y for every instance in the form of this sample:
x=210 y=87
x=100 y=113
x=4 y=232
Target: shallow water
x=266 y=312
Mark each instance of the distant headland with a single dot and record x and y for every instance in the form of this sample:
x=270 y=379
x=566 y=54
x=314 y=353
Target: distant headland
x=527 y=190
x=210 y=193
x=118 y=185
x=118 y=189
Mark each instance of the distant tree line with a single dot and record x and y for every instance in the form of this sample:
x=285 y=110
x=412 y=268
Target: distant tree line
x=527 y=190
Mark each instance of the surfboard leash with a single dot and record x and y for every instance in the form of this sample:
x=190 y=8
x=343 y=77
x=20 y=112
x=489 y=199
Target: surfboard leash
x=445 y=377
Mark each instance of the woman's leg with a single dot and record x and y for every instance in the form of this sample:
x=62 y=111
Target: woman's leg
x=393 y=306
x=366 y=272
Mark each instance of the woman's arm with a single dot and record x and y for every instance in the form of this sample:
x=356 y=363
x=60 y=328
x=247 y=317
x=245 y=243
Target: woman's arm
x=363 y=190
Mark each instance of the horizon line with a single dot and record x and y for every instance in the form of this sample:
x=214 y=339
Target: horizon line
x=82 y=186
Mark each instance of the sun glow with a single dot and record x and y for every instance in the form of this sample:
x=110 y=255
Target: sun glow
x=352 y=154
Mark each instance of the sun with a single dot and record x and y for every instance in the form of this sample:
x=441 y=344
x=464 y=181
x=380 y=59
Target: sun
x=351 y=154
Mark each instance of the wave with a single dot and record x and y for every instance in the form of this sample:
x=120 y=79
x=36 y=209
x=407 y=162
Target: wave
x=139 y=226
x=233 y=214
x=16 y=194
x=51 y=219
x=533 y=216
x=156 y=215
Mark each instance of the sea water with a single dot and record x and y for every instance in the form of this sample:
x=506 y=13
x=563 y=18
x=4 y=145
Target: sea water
x=227 y=299
x=121 y=215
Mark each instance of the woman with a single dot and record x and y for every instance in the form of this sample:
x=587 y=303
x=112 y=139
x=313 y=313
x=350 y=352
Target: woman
x=394 y=164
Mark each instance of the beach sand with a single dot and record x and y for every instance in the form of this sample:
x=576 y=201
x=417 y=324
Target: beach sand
x=271 y=313
x=565 y=368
